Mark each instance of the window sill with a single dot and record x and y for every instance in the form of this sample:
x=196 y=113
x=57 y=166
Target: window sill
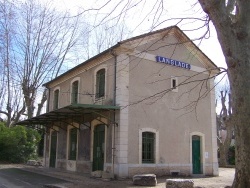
x=99 y=100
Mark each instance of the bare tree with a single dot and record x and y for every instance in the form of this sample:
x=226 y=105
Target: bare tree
x=231 y=21
x=102 y=37
x=47 y=38
x=224 y=126
x=36 y=42
x=10 y=94
x=5 y=61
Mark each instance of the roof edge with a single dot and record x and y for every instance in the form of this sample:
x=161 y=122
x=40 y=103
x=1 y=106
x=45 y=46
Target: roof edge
x=128 y=40
x=83 y=63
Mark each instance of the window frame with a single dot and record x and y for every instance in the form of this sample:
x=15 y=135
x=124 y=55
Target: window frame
x=74 y=96
x=100 y=83
x=96 y=97
x=156 y=145
x=174 y=84
x=56 y=98
x=148 y=147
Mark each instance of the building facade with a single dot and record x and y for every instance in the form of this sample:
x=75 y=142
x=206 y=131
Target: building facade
x=145 y=105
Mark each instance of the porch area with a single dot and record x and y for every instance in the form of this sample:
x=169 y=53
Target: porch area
x=78 y=137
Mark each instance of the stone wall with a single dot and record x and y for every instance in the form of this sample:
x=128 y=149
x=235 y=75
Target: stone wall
x=159 y=170
x=84 y=145
x=83 y=166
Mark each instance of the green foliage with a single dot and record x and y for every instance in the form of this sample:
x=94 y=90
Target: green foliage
x=18 y=144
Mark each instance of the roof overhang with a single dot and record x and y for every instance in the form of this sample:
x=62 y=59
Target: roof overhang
x=74 y=111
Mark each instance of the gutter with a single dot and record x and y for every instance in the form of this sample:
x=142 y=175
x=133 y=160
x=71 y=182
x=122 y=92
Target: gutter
x=45 y=135
x=109 y=50
x=114 y=116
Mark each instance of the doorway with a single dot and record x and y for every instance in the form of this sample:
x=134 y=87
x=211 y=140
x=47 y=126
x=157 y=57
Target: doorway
x=99 y=146
x=196 y=154
x=53 y=144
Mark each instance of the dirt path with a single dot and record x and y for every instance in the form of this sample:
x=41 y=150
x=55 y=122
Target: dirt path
x=225 y=178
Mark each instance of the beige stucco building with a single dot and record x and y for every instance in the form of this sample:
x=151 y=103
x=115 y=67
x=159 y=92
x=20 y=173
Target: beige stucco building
x=145 y=105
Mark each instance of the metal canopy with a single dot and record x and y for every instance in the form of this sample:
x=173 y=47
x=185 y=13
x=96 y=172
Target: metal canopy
x=75 y=111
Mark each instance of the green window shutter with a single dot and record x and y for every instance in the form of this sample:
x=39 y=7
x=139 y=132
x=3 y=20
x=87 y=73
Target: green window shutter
x=100 y=83
x=72 y=144
x=56 y=99
x=148 y=145
x=74 y=93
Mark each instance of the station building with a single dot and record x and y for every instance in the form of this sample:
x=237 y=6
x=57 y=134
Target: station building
x=145 y=105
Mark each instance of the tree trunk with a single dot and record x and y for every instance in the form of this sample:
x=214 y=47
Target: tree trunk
x=16 y=118
x=232 y=25
x=223 y=155
x=29 y=98
x=241 y=105
x=223 y=123
x=242 y=152
x=224 y=147
x=43 y=100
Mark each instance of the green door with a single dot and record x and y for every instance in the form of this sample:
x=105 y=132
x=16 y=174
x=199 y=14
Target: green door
x=98 y=150
x=196 y=155
x=53 y=143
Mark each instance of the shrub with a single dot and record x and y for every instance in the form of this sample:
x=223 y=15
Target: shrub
x=18 y=144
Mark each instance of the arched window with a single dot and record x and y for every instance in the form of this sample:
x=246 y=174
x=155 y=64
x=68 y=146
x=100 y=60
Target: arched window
x=100 y=83
x=148 y=147
x=56 y=99
x=74 y=92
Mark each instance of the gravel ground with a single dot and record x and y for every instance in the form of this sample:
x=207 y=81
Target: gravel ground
x=77 y=180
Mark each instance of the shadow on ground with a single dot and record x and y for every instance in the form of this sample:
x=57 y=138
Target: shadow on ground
x=19 y=177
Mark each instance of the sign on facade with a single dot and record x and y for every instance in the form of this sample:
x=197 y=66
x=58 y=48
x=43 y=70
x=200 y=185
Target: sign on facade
x=173 y=62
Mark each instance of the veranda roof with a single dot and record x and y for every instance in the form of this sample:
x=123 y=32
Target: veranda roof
x=73 y=111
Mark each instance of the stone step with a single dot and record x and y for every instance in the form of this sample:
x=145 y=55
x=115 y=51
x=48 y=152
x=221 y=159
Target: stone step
x=179 y=183
x=145 y=180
